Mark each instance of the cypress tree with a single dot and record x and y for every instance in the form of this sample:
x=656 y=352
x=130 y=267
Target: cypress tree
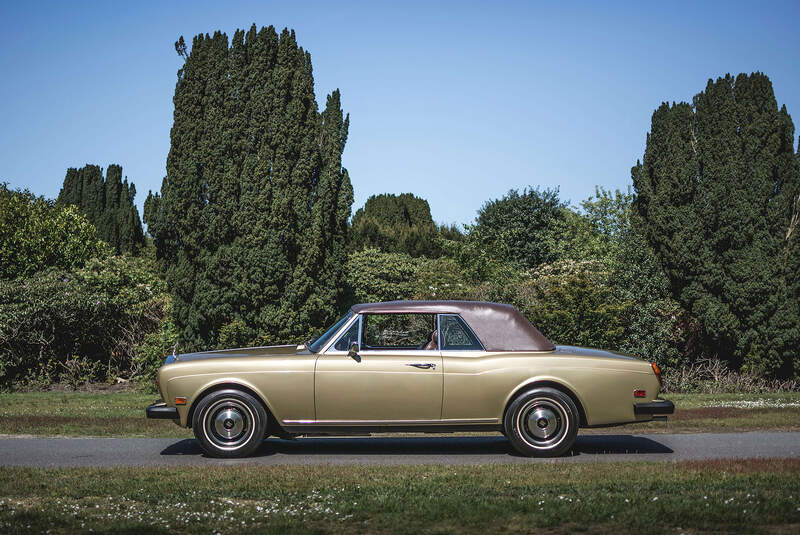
x=107 y=202
x=716 y=192
x=252 y=214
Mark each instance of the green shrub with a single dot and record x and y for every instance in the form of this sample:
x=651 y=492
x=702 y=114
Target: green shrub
x=100 y=312
x=376 y=276
x=397 y=224
x=572 y=303
x=36 y=234
x=522 y=228
x=149 y=354
x=235 y=333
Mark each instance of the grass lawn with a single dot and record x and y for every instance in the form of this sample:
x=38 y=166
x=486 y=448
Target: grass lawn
x=104 y=414
x=121 y=414
x=713 y=496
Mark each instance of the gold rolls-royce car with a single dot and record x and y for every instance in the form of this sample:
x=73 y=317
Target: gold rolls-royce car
x=421 y=366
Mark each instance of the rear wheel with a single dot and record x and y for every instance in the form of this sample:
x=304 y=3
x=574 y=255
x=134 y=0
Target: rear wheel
x=542 y=422
x=229 y=423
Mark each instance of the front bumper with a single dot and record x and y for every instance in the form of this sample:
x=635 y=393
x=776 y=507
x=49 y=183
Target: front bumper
x=160 y=411
x=654 y=408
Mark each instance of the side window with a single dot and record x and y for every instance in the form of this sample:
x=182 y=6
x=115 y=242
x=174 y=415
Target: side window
x=346 y=340
x=456 y=336
x=399 y=331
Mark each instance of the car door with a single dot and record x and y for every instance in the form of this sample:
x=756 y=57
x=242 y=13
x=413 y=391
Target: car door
x=472 y=377
x=395 y=377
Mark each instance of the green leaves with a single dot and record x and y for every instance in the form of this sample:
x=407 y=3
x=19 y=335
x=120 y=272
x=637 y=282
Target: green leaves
x=36 y=234
x=715 y=195
x=107 y=203
x=521 y=227
x=99 y=312
x=250 y=224
x=396 y=224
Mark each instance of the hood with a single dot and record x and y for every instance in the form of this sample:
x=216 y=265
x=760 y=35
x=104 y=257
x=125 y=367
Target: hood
x=264 y=351
x=597 y=353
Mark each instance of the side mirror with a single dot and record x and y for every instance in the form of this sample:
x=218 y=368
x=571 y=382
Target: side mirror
x=353 y=353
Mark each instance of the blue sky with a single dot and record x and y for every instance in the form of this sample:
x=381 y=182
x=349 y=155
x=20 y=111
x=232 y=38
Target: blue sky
x=454 y=101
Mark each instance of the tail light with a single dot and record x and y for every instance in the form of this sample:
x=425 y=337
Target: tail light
x=657 y=371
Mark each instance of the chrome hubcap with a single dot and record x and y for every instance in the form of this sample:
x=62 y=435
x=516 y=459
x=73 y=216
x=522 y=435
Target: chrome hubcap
x=228 y=423
x=542 y=423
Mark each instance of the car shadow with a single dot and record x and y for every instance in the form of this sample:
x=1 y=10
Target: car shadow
x=483 y=445
x=616 y=445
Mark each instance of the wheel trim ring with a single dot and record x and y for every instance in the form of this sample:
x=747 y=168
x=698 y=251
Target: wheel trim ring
x=558 y=437
x=208 y=424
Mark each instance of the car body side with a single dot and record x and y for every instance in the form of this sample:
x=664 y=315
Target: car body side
x=476 y=386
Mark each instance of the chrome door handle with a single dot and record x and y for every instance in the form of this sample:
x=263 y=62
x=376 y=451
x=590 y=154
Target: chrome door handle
x=425 y=366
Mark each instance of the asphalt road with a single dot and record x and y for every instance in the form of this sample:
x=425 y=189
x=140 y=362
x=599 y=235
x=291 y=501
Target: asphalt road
x=104 y=452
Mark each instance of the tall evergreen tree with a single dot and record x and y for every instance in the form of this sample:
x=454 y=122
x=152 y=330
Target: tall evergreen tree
x=396 y=224
x=251 y=219
x=717 y=192
x=107 y=202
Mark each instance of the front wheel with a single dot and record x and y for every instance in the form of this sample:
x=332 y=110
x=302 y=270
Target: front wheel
x=229 y=423
x=542 y=422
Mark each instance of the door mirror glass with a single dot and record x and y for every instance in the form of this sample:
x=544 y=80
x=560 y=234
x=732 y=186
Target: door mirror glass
x=353 y=353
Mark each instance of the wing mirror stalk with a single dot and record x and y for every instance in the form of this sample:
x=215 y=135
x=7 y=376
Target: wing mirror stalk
x=353 y=353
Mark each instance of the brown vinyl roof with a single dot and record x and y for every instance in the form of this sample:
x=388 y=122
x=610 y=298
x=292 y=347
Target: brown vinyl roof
x=499 y=327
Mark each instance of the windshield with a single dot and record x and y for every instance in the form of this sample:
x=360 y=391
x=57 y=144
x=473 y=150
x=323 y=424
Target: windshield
x=320 y=342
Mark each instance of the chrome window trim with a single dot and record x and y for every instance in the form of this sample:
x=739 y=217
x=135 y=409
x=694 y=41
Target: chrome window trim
x=328 y=349
x=454 y=421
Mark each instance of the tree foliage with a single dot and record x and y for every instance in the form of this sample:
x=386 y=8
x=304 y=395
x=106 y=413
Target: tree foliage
x=96 y=314
x=397 y=224
x=251 y=220
x=107 y=202
x=521 y=227
x=717 y=196
x=36 y=234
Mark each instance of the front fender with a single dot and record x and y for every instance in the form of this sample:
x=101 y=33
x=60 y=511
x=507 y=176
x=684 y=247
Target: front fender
x=187 y=383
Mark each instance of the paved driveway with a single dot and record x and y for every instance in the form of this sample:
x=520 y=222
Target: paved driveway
x=53 y=452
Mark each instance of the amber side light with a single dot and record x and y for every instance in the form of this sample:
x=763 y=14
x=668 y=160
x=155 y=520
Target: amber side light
x=180 y=401
x=657 y=371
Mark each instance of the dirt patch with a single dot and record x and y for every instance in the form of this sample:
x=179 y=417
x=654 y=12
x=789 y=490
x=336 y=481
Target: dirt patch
x=743 y=466
x=721 y=412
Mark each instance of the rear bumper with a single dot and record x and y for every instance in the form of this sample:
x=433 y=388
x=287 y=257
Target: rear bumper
x=160 y=411
x=654 y=408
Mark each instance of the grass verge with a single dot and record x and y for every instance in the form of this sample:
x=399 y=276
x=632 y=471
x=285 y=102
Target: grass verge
x=757 y=496
x=117 y=414
x=121 y=414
